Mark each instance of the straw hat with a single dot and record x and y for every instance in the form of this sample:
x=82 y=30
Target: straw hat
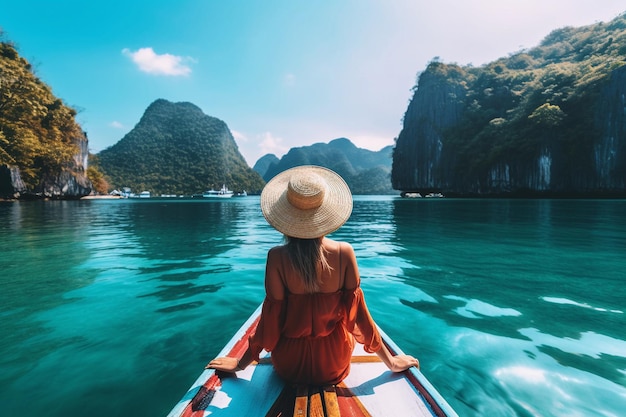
x=306 y=202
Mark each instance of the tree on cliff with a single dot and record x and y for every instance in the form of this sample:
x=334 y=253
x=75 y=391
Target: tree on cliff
x=97 y=178
x=38 y=132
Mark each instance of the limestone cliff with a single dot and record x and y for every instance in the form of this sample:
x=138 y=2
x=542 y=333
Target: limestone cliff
x=71 y=180
x=43 y=151
x=436 y=105
x=609 y=151
x=546 y=121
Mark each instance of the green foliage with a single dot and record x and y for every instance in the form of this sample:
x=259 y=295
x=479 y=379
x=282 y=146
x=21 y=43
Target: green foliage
x=545 y=86
x=465 y=124
x=38 y=133
x=547 y=115
x=97 y=178
x=177 y=149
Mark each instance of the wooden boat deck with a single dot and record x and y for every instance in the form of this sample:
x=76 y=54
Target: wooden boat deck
x=370 y=390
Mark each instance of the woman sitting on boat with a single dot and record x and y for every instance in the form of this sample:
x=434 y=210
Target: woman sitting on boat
x=314 y=309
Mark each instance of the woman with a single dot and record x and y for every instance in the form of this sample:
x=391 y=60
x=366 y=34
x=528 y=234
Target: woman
x=314 y=309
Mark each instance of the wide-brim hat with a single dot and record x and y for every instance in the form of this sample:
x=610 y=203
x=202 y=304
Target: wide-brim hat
x=306 y=202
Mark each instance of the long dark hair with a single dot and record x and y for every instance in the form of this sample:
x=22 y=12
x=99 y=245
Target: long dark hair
x=308 y=258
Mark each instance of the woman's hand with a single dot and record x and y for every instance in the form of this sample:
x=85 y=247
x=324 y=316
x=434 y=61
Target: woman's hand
x=225 y=364
x=401 y=363
x=397 y=363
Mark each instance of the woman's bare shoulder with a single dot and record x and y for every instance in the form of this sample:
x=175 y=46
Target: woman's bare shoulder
x=346 y=246
x=338 y=244
x=346 y=249
x=276 y=250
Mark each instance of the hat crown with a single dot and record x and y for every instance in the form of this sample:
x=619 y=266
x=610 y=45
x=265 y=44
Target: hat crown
x=306 y=191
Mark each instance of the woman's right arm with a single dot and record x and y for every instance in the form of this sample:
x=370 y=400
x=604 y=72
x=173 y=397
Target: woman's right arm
x=268 y=329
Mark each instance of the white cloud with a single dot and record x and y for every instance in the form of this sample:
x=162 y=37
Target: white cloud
x=116 y=124
x=271 y=144
x=165 y=64
x=262 y=144
x=371 y=142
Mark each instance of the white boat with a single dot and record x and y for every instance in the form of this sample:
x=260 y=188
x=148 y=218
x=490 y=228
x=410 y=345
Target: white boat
x=224 y=192
x=144 y=194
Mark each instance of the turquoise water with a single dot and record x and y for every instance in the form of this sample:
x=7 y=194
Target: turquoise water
x=514 y=307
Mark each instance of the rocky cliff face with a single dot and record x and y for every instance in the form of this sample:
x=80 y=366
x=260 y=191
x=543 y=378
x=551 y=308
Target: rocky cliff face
x=548 y=139
x=417 y=158
x=11 y=184
x=68 y=182
x=609 y=152
x=71 y=181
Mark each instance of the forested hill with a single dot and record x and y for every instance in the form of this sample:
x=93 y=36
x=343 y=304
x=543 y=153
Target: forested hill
x=263 y=164
x=177 y=149
x=547 y=120
x=43 y=150
x=365 y=171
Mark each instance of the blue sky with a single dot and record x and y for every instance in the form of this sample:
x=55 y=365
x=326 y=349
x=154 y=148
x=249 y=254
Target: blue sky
x=280 y=73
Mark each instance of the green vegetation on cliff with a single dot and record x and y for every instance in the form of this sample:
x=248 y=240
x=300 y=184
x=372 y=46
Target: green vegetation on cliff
x=38 y=132
x=177 y=149
x=365 y=171
x=482 y=125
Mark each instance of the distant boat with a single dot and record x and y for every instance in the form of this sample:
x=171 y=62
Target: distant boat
x=144 y=194
x=242 y=194
x=222 y=193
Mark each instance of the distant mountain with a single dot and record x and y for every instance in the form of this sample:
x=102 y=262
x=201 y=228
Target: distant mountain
x=365 y=171
x=177 y=149
x=264 y=163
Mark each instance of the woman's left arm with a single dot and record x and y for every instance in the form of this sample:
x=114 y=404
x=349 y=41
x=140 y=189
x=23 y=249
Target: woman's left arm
x=268 y=330
x=396 y=363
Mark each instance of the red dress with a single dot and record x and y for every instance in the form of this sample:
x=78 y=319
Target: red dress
x=311 y=336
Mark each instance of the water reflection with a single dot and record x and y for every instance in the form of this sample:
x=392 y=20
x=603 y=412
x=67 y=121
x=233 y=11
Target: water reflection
x=181 y=291
x=38 y=262
x=370 y=227
x=591 y=352
x=164 y=231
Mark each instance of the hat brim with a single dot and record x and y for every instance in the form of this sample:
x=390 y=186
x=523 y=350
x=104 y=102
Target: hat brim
x=334 y=211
